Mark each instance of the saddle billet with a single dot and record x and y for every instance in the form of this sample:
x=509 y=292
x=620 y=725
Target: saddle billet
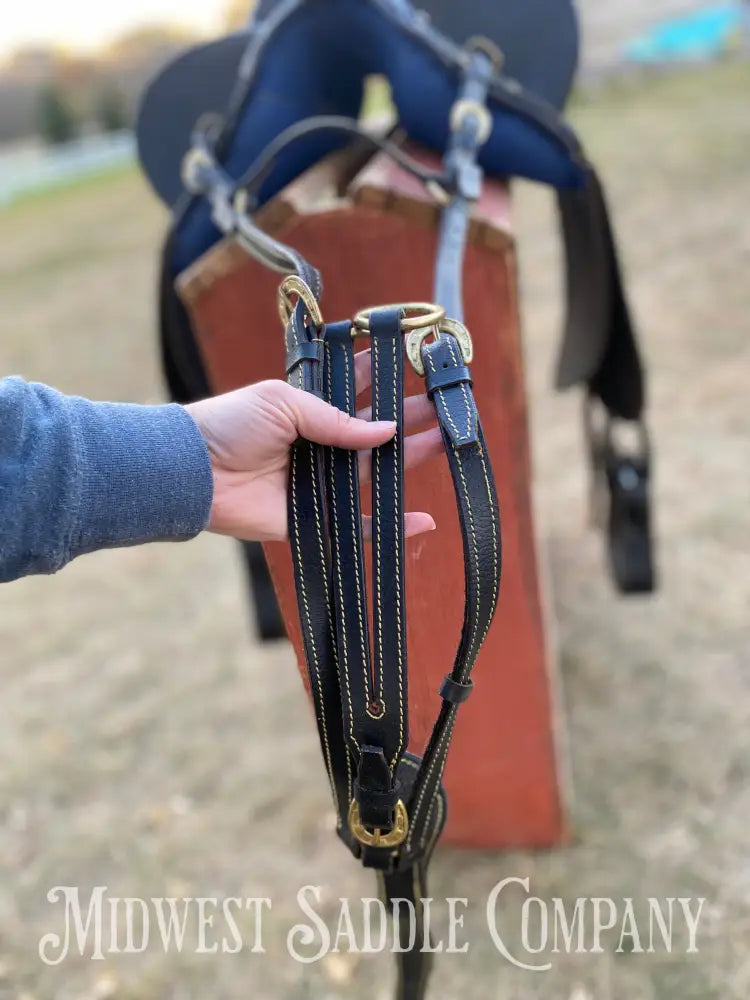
x=283 y=80
x=390 y=804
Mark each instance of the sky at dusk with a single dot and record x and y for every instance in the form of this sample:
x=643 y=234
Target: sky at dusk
x=86 y=24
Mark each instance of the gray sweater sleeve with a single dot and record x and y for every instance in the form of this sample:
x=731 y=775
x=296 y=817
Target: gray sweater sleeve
x=76 y=476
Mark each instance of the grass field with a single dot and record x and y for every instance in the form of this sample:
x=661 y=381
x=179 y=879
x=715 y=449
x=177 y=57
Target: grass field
x=140 y=722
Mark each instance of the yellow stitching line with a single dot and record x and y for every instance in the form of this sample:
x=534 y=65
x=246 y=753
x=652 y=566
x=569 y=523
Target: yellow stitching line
x=438 y=824
x=332 y=630
x=475 y=618
x=475 y=548
x=339 y=581
x=334 y=643
x=442 y=402
x=452 y=347
x=441 y=747
x=351 y=459
x=376 y=482
x=449 y=728
x=329 y=762
x=400 y=663
x=493 y=519
x=494 y=595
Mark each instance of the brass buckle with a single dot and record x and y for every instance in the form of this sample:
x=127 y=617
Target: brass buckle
x=294 y=285
x=376 y=837
x=415 y=316
x=451 y=326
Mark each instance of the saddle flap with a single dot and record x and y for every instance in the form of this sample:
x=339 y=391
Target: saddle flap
x=309 y=57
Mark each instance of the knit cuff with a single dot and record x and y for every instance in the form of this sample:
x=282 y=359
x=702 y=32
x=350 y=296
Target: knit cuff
x=145 y=475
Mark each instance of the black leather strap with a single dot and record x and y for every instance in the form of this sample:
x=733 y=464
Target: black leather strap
x=364 y=735
x=362 y=707
x=390 y=804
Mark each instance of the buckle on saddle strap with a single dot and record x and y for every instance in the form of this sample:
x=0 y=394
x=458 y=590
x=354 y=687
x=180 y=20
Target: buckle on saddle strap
x=450 y=326
x=375 y=837
x=294 y=285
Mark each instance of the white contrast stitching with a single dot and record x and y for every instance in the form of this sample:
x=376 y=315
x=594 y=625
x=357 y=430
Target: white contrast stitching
x=400 y=663
x=475 y=621
x=300 y=565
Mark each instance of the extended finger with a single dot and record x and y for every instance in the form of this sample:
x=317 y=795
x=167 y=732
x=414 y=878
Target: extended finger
x=418 y=410
x=362 y=370
x=415 y=523
x=418 y=448
x=317 y=421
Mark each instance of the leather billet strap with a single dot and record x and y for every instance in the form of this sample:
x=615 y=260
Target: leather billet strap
x=311 y=560
x=373 y=694
x=600 y=351
x=471 y=125
x=390 y=804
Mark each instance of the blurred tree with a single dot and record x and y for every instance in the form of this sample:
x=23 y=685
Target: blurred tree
x=110 y=111
x=147 y=43
x=57 y=122
x=236 y=13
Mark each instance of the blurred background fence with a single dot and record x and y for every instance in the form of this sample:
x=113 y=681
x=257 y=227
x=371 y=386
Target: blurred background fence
x=39 y=168
x=64 y=114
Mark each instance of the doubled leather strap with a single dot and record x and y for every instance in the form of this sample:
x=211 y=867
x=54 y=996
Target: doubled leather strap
x=390 y=803
x=361 y=701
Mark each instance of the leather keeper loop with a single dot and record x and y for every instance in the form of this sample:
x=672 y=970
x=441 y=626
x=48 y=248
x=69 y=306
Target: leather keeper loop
x=302 y=352
x=379 y=799
x=444 y=378
x=454 y=691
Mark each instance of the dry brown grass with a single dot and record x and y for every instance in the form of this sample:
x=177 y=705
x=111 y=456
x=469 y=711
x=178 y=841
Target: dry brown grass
x=147 y=743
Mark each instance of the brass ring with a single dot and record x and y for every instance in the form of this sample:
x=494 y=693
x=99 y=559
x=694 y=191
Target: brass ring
x=451 y=326
x=416 y=315
x=294 y=285
x=375 y=837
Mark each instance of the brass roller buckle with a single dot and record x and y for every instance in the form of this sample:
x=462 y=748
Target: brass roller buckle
x=453 y=327
x=415 y=316
x=376 y=837
x=294 y=285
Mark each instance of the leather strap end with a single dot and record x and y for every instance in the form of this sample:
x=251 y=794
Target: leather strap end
x=448 y=383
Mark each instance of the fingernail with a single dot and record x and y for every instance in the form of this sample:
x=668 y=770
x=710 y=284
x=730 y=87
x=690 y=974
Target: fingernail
x=390 y=424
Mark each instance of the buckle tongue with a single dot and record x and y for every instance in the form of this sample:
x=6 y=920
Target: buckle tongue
x=450 y=326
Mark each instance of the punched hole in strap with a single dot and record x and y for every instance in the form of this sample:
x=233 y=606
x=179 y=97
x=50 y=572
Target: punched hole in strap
x=446 y=376
x=454 y=691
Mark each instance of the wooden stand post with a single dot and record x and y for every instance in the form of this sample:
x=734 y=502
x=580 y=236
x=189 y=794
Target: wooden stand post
x=372 y=232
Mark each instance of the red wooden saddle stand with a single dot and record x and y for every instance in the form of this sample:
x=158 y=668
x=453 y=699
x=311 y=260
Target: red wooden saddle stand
x=371 y=229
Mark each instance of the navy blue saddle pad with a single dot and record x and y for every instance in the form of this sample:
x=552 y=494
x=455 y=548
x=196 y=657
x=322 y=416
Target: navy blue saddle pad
x=310 y=57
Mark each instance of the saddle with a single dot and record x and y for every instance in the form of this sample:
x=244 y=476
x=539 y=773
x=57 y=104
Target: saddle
x=295 y=98
x=300 y=59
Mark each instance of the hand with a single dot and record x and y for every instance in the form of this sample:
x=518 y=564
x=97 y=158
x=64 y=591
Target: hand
x=249 y=434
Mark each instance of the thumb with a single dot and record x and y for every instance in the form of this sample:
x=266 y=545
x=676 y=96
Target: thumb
x=317 y=421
